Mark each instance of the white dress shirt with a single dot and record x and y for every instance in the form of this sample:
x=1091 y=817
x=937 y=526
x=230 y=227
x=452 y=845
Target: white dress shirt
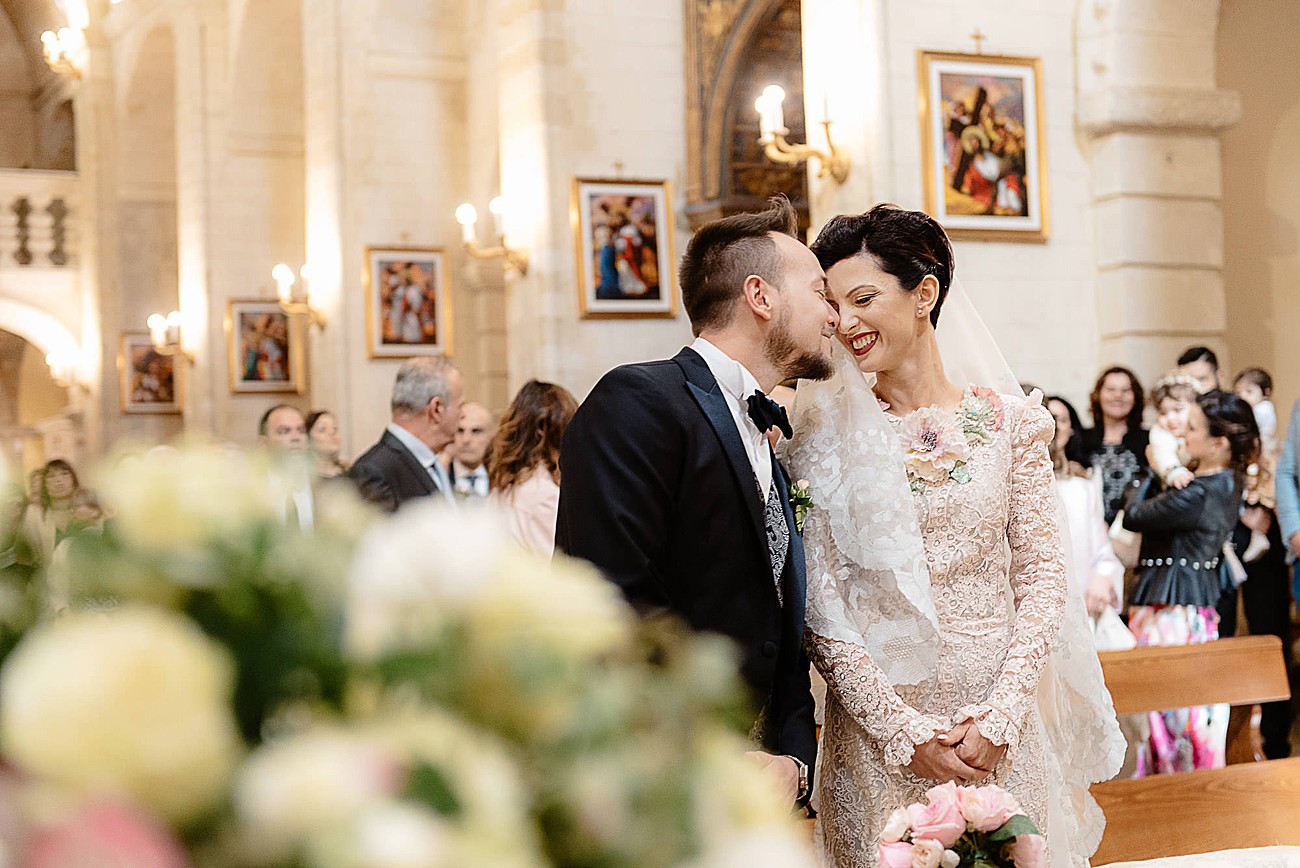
x=472 y=483
x=428 y=460
x=737 y=385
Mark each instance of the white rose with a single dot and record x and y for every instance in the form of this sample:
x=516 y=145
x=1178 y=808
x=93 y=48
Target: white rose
x=926 y=853
x=391 y=835
x=769 y=848
x=289 y=790
x=896 y=826
x=950 y=859
x=401 y=589
x=135 y=702
x=178 y=499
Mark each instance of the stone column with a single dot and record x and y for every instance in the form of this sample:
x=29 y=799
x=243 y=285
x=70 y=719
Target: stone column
x=201 y=329
x=534 y=120
x=1152 y=115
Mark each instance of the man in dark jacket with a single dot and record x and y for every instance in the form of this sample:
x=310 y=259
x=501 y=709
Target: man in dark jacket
x=669 y=484
x=403 y=465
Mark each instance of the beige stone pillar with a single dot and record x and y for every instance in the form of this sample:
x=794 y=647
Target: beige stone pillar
x=534 y=123
x=202 y=326
x=1152 y=116
x=843 y=71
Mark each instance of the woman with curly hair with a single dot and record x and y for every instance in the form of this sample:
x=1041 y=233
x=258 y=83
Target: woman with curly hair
x=524 y=462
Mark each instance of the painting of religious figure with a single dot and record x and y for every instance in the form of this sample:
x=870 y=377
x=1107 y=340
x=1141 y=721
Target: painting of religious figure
x=150 y=380
x=264 y=350
x=623 y=238
x=982 y=145
x=408 y=302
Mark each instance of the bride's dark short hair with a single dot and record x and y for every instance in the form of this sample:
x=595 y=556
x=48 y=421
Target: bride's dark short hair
x=907 y=244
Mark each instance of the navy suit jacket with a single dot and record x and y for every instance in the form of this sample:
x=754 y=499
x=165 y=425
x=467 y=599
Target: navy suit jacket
x=657 y=491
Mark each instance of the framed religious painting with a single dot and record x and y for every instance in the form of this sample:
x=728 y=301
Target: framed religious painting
x=264 y=348
x=150 y=380
x=623 y=240
x=982 y=145
x=408 y=302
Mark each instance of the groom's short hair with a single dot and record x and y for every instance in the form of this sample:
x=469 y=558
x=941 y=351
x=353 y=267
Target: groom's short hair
x=722 y=254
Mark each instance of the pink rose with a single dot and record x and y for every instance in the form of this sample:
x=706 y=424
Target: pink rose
x=106 y=833
x=896 y=855
x=941 y=819
x=1028 y=851
x=926 y=853
x=986 y=808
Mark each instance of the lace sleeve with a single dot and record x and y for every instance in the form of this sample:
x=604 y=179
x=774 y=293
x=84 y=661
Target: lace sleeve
x=865 y=693
x=1038 y=581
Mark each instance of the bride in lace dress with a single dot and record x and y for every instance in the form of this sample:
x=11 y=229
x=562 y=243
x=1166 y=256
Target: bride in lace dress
x=939 y=608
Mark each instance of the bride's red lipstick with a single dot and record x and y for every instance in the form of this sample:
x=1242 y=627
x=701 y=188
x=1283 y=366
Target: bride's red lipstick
x=871 y=337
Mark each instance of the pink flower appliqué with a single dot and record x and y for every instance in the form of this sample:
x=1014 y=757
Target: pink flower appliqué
x=934 y=444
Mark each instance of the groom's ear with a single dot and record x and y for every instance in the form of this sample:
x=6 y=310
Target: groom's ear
x=758 y=297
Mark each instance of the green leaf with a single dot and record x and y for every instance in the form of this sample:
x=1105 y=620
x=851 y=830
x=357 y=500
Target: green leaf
x=428 y=786
x=1014 y=828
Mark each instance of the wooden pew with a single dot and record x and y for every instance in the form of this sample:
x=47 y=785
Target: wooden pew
x=1250 y=804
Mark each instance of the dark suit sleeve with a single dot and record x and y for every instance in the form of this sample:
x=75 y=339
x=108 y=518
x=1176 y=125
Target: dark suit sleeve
x=619 y=464
x=373 y=487
x=796 y=727
x=1167 y=511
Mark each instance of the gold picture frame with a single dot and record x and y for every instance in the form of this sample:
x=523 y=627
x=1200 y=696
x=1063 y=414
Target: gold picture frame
x=264 y=348
x=149 y=382
x=409 y=302
x=982 y=142
x=623 y=248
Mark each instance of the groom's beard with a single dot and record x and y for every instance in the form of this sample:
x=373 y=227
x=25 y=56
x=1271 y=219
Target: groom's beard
x=794 y=363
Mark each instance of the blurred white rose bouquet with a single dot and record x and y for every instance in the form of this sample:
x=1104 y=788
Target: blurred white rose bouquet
x=227 y=692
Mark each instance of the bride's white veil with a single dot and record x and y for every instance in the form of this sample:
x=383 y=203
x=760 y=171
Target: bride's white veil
x=868 y=583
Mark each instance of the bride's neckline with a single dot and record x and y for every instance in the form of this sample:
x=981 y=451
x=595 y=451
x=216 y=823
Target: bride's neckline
x=884 y=405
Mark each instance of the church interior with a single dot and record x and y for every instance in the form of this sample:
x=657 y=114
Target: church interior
x=213 y=208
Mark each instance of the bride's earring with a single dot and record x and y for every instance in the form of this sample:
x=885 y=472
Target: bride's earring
x=920 y=310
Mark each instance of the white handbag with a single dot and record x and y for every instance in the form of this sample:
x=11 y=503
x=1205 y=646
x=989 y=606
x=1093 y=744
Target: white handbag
x=1126 y=543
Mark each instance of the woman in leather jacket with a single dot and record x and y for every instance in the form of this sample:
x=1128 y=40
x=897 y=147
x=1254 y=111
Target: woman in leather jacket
x=1181 y=571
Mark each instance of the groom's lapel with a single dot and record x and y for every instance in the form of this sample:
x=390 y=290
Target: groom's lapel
x=798 y=571
x=704 y=388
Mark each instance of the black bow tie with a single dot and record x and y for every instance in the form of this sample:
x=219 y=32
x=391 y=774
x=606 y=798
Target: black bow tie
x=767 y=413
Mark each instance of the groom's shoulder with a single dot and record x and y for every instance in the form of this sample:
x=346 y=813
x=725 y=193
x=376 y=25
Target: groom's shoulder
x=640 y=375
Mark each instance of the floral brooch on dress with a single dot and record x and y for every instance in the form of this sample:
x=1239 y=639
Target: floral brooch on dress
x=937 y=445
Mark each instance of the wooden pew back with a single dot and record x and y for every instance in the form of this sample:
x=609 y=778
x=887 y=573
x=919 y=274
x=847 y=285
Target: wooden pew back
x=1246 y=805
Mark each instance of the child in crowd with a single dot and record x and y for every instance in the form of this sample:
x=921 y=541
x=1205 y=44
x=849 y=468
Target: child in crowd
x=1255 y=387
x=1173 y=397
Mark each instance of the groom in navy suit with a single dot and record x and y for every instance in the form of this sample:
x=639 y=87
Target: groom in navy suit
x=668 y=482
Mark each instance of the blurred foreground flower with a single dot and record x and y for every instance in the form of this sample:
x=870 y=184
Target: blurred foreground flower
x=134 y=703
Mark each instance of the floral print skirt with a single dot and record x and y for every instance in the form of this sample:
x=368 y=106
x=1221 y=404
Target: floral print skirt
x=1181 y=739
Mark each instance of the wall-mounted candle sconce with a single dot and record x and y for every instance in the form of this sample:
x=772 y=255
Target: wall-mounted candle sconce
x=772 y=133
x=165 y=332
x=291 y=303
x=467 y=217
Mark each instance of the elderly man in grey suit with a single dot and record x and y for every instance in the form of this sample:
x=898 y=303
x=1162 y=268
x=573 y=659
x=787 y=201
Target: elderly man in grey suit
x=404 y=465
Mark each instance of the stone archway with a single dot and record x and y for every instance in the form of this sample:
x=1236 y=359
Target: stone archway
x=731 y=45
x=39 y=418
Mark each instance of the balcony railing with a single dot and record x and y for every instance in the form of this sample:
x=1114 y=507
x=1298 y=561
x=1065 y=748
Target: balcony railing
x=38 y=218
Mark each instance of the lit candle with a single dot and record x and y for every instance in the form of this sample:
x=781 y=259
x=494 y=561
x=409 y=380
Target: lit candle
x=157 y=328
x=466 y=216
x=498 y=208
x=772 y=120
x=283 y=276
